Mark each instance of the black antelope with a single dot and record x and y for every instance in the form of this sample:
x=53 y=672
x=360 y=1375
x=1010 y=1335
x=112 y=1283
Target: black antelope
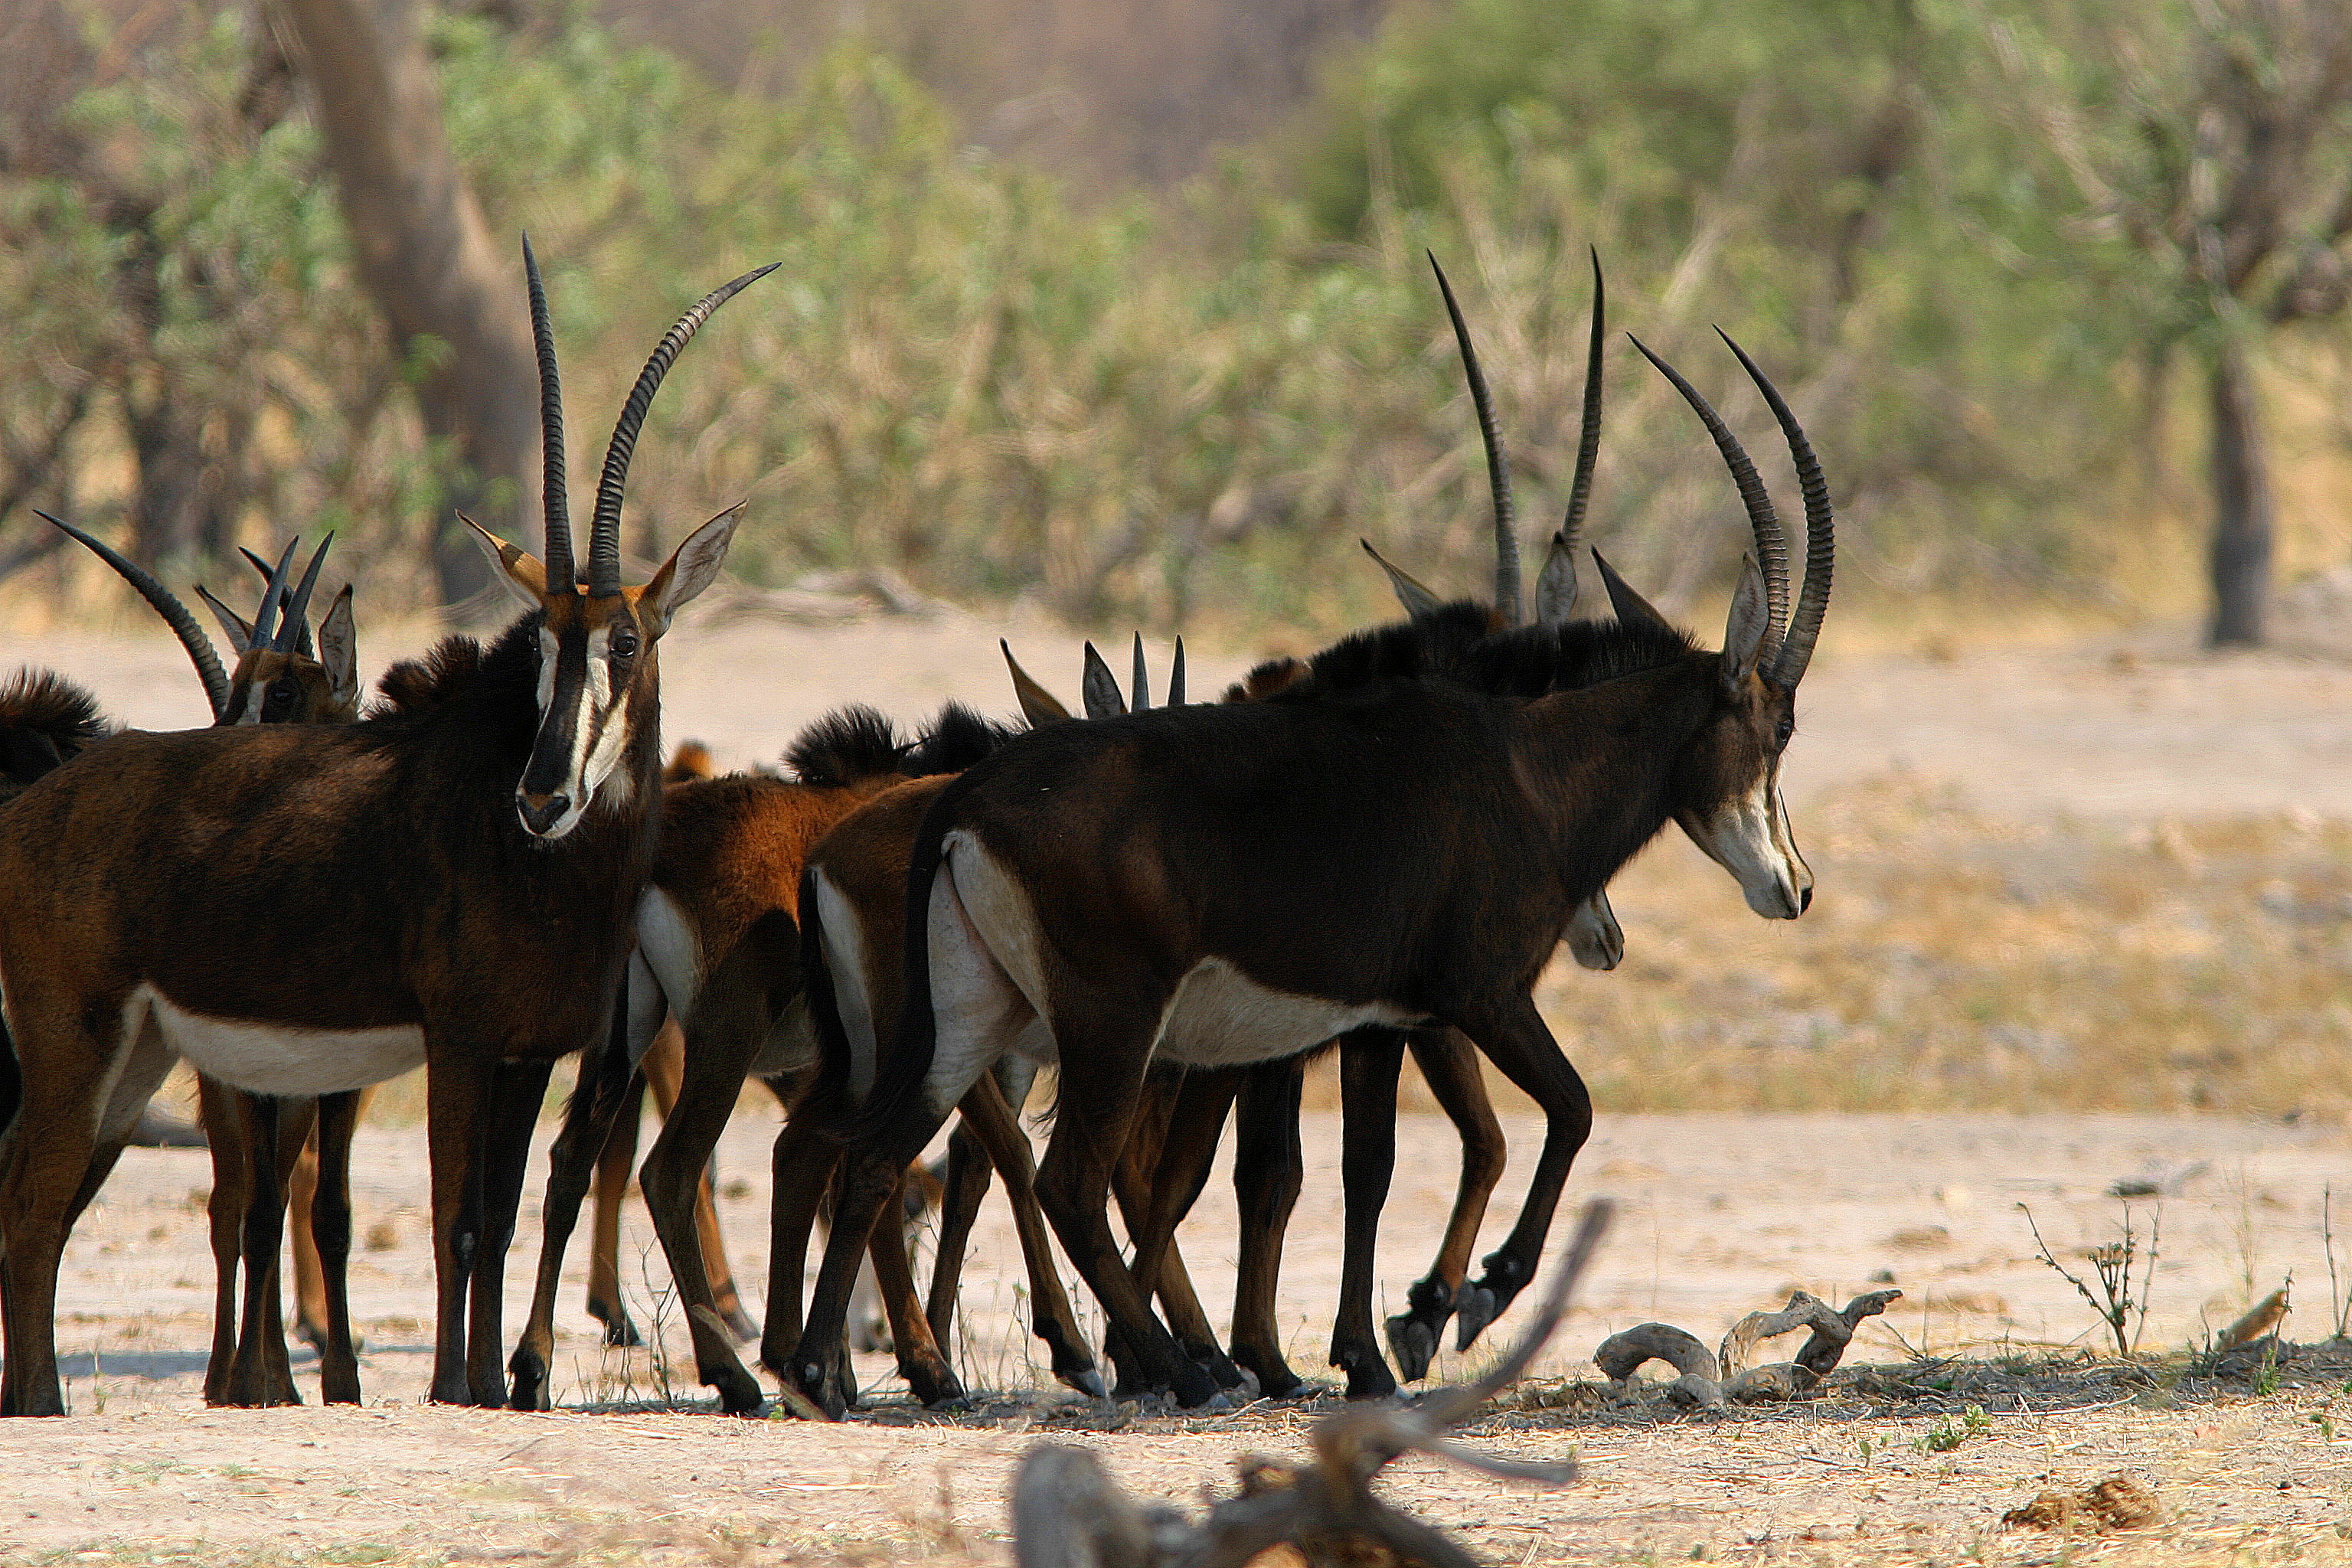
x=1400 y=838
x=1166 y=1163
x=454 y=883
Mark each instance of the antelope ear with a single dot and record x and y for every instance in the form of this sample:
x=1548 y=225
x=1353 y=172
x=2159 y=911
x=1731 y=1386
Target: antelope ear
x=1099 y=688
x=519 y=569
x=1624 y=598
x=1039 y=706
x=1556 y=588
x=1743 y=634
x=236 y=627
x=693 y=567
x=339 y=652
x=1413 y=596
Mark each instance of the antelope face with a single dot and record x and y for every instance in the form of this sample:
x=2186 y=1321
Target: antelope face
x=1594 y=938
x=277 y=686
x=599 y=682
x=1732 y=807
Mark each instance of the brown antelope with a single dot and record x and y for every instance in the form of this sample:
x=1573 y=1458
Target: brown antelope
x=453 y=883
x=718 y=948
x=279 y=677
x=1400 y=837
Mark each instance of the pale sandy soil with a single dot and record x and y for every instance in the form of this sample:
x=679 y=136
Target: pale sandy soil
x=1722 y=1214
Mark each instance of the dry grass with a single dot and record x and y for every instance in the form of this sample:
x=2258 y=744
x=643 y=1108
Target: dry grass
x=1954 y=962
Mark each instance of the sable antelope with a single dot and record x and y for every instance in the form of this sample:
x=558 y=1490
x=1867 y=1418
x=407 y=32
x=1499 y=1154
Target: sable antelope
x=1400 y=837
x=718 y=948
x=452 y=883
x=1166 y=1162
x=279 y=675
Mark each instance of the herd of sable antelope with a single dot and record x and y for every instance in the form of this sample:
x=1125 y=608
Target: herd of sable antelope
x=1173 y=907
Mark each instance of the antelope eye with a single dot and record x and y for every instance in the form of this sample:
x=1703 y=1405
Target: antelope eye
x=621 y=646
x=1788 y=727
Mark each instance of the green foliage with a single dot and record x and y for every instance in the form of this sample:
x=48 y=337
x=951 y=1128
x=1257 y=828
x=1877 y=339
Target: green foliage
x=1194 y=401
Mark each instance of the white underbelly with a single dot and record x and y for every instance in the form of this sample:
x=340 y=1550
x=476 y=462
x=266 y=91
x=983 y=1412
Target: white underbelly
x=1221 y=1017
x=279 y=1059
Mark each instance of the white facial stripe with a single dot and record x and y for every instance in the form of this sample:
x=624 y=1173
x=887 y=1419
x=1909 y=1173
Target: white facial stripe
x=547 y=651
x=599 y=735
x=1748 y=837
x=1593 y=936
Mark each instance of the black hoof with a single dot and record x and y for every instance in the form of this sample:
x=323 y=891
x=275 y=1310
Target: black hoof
x=739 y=1391
x=1194 y=1387
x=620 y=1334
x=822 y=1387
x=933 y=1385
x=530 y=1391
x=1474 y=1308
x=1413 y=1342
x=1274 y=1377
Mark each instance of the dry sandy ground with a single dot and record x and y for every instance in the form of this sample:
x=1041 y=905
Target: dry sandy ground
x=1722 y=1215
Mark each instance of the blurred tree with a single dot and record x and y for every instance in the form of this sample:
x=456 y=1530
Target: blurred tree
x=2213 y=139
x=423 y=251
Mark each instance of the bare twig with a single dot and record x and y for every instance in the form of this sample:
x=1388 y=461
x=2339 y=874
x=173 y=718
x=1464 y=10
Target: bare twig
x=1067 y=1513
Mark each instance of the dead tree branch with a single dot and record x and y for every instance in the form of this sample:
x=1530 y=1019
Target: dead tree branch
x=1068 y=1513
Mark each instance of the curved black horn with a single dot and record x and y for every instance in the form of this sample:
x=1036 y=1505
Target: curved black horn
x=605 y=529
x=1771 y=544
x=294 y=630
x=1787 y=667
x=1498 y=471
x=273 y=598
x=1176 y=677
x=1588 y=440
x=555 y=503
x=302 y=626
x=1140 y=689
x=201 y=652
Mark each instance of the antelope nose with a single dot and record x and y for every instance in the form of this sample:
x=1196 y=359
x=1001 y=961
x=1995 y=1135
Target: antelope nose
x=542 y=812
x=1804 y=897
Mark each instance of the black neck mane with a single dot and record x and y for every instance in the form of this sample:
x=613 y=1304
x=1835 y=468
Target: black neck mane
x=1454 y=645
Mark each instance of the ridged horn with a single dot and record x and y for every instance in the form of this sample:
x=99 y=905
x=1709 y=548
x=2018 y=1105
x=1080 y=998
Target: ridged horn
x=555 y=502
x=1788 y=666
x=201 y=652
x=1588 y=440
x=1771 y=544
x=301 y=625
x=1498 y=472
x=604 y=528
x=294 y=629
x=1139 y=689
x=1176 y=677
x=273 y=598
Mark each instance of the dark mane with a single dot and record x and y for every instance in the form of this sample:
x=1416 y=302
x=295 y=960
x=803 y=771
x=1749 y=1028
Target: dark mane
x=847 y=745
x=44 y=720
x=955 y=740
x=1457 y=644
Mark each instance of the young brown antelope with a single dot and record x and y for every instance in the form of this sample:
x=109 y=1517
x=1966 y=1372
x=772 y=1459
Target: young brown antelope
x=453 y=883
x=1400 y=838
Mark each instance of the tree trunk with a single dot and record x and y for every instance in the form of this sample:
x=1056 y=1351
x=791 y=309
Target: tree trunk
x=2241 y=506
x=425 y=256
